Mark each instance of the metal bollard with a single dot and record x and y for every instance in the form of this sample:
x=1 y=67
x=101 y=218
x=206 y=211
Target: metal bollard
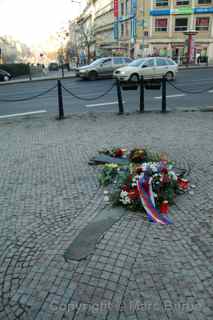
x=60 y=101
x=120 y=100
x=164 y=94
x=29 y=71
x=142 y=94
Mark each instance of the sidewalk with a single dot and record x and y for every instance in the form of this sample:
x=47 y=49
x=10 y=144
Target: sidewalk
x=50 y=76
x=49 y=193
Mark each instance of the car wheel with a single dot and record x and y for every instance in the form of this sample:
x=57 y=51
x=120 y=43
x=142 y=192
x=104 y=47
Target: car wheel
x=169 y=76
x=134 y=77
x=6 y=78
x=93 y=75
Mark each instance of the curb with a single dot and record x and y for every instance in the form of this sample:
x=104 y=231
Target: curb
x=35 y=80
x=195 y=68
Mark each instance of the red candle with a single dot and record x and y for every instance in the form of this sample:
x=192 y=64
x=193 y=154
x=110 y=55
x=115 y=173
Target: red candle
x=183 y=184
x=164 y=207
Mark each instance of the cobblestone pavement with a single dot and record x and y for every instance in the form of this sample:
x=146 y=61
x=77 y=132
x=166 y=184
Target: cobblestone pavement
x=48 y=194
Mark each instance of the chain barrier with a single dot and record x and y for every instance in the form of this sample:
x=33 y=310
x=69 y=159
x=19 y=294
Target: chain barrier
x=30 y=98
x=188 y=91
x=88 y=99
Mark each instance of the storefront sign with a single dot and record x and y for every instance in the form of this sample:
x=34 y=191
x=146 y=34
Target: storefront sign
x=203 y=10
x=160 y=12
x=115 y=8
x=186 y=10
x=179 y=11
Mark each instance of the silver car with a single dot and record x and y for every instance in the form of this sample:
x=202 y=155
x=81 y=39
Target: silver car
x=152 y=67
x=103 y=67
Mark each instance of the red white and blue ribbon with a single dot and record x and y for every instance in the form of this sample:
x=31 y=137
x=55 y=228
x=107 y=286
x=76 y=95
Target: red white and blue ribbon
x=144 y=186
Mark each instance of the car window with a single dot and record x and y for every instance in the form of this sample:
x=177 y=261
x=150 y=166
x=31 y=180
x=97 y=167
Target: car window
x=107 y=62
x=137 y=63
x=149 y=63
x=118 y=60
x=171 y=62
x=127 y=60
x=161 y=62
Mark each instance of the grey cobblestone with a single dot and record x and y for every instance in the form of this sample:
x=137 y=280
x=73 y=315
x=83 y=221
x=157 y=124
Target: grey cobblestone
x=49 y=194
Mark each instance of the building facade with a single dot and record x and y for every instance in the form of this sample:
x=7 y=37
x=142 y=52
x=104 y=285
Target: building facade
x=169 y=22
x=158 y=27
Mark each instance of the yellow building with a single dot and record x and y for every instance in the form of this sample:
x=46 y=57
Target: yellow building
x=164 y=23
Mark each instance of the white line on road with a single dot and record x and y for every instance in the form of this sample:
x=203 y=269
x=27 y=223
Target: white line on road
x=22 y=114
x=210 y=91
x=102 y=104
x=171 y=96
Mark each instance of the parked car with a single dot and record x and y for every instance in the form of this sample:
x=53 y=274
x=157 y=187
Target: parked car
x=53 y=66
x=102 y=67
x=152 y=67
x=4 y=75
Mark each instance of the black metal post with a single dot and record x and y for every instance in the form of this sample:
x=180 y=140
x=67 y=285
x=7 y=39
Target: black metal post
x=29 y=70
x=164 y=94
x=142 y=94
x=60 y=101
x=120 y=100
x=62 y=70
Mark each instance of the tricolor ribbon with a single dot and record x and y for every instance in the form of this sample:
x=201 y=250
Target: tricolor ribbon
x=144 y=186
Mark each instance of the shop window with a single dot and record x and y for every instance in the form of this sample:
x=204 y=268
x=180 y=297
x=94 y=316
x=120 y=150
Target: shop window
x=182 y=2
x=122 y=29
x=161 y=25
x=202 y=24
x=204 y=1
x=181 y=24
x=161 y=3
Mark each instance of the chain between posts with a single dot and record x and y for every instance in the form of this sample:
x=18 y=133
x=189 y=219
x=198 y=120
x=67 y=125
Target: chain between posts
x=88 y=99
x=29 y=98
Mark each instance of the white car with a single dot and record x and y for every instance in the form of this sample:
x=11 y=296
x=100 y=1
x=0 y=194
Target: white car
x=153 y=67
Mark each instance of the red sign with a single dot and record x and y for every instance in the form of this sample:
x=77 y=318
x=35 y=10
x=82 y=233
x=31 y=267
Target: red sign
x=115 y=8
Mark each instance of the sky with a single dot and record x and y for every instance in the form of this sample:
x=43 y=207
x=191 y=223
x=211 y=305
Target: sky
x=33 y=21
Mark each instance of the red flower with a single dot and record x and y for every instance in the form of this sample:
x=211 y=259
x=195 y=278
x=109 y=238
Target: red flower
x=133 y=194
x=119 y=153
x=164 y=207
x=183 y=184
x=164 y=170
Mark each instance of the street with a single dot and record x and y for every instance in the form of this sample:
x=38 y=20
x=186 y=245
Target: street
x=192 y=80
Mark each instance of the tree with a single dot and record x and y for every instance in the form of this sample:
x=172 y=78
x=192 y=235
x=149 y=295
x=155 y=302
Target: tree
x=87 y=38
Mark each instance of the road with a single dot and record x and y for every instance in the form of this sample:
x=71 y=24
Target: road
x=191 y=80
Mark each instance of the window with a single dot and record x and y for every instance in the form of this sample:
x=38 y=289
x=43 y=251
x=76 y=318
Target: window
x=161 y=62
x=122 y=29
x=204 y=1
x=181 y=24
x=170 y=62
x=202 y=24
x=182 y=2
x=107 y=62
x=122 y=9
x=161 y=25
x=161 y=3
x=149 y=63
x=127 y=60
x=117 y=60
x=127 y=29
x=127 y=7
